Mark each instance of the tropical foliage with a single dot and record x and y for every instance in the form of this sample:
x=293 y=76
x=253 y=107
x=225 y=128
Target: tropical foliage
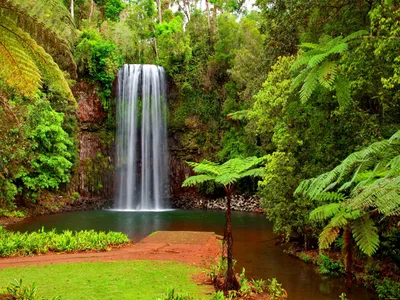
x=15 y=243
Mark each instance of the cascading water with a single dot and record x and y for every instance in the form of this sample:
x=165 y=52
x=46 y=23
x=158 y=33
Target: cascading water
x=141 y=142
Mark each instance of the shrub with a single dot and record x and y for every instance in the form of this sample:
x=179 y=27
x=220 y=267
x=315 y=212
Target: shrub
x=16 y=243
x=275 y=289
x=329 y=267
x=389 y=289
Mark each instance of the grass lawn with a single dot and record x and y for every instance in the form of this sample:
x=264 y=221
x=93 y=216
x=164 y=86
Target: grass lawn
x=108 y=280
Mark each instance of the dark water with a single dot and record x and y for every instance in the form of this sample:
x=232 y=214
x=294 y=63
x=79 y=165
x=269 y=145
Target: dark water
x=254 y=244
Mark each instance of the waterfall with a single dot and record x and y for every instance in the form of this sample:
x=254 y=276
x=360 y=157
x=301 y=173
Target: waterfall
x=141 y=141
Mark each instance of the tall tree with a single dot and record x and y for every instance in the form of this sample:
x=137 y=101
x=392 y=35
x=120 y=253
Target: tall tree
x=226 y=175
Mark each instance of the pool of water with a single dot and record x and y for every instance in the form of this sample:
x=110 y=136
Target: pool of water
x=254 y=244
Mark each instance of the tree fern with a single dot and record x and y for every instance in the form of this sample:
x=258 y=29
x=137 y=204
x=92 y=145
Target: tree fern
x=318 y=67
x=226 y=175
x=26 y=65
x=370 y=179
x=48 y=22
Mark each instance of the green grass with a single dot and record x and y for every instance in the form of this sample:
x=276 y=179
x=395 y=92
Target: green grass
x=108 y=280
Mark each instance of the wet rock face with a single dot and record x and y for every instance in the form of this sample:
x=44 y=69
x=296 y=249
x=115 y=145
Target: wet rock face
x=96 y=172
x=94 y=178
x=91 y=114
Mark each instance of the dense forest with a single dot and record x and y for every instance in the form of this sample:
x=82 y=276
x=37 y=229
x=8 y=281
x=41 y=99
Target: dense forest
x=310 y=86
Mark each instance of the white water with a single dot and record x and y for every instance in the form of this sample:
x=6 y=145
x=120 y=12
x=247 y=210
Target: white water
x=141 y=141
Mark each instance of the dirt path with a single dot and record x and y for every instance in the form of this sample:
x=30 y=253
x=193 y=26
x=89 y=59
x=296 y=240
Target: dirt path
x=196 y=248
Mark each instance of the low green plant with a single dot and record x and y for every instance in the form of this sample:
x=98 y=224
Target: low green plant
x=218 y=296
x=388 y=289
x=16 y=243
x=172 y=295
x=275 y=289
x=245 y=286
x=15 y=290
x=259 y=285
x=75 y=196
x=219 y=269
x=12 y=213
x=304 y=257
x=343 y=296
x=330 y=267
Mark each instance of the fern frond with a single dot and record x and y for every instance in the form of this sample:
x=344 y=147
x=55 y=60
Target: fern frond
x=327 y=74
x=227 y=178
x=197 y=179
x=300 y=78
x=383 y=194
x=206 y=168
x=239 y=115
x=365 y=234
x=19 y=69
x=328 y=235
x=338 y=49
x=324 y=212
x=309 y=86
x=309 y=45
x=26 y=65
x=343 y=95
x=317 y=59
x=48 y=22
x=259 y=172
x=383 y=153
x=355 y=35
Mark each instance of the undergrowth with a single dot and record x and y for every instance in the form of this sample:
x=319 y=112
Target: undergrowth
x=40 y=242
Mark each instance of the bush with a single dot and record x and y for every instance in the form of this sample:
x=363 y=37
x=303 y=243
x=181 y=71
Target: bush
x=389 y=289
x=329 y=267
x=16 y=243
x=275 y=289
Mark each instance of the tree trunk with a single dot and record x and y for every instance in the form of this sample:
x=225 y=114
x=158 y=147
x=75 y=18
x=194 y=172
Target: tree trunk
x=159 y=11
x=208 y=15
x=231 y=282
x=91 y=10
x=348 y=251
x=72 y=10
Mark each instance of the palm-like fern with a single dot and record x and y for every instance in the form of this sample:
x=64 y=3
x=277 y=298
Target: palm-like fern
x=318 y=67
x=226 y=174
x=366 y=183
x=25 y=63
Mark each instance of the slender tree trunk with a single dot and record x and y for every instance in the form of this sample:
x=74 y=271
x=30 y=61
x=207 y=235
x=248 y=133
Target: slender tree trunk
x=91 y=10
x=231 y=282
x=348 y=252
x=208 y=15
x=159 y=11
x=72 y=9
x=155 y=47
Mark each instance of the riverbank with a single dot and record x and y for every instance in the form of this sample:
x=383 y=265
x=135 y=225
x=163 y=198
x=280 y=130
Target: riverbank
x=380 y=277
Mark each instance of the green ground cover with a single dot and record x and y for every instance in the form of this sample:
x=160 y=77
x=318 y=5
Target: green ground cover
x=108 y=280
x=16 y=243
